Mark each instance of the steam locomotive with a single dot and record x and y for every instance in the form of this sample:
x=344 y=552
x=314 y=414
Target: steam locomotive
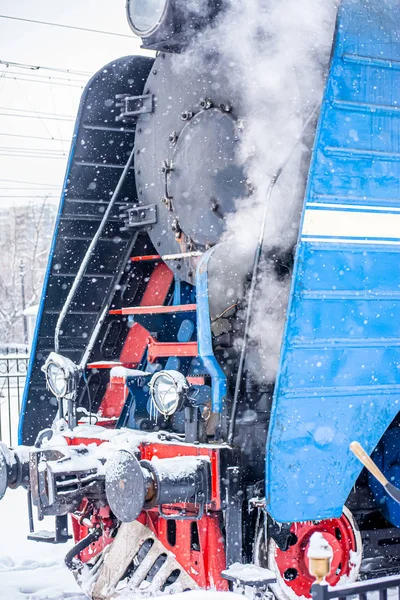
x=149 y=416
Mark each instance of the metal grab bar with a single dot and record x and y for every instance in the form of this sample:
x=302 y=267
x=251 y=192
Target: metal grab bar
x=89 y=252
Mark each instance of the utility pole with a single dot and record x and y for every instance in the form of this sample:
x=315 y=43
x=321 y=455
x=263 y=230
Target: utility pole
x=22 y=276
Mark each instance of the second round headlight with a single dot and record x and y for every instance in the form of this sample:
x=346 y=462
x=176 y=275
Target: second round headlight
x=168 y=392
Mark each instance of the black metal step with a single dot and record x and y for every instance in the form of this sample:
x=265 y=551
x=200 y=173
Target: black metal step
x=98 y=165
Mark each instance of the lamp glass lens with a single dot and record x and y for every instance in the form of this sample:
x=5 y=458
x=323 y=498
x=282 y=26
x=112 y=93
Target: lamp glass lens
x=57 y=380
x=146 y=14
x=166 y=395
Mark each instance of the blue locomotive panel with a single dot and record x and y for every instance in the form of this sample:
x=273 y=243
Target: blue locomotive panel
x=339 y=376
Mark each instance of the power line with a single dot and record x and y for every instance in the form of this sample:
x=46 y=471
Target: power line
x=28 y=196
x=33 y=152
x=23 y=189
x=18 y=149
x=34 y=137
x=63 y=26
x=27 y=182
x=4 y=75
x=9 y=63
x=27 y=155
x=37 y=117
x=25 y=110
x=45 y=77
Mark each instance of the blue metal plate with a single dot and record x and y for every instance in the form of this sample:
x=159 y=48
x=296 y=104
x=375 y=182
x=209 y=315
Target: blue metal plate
x=339 y=376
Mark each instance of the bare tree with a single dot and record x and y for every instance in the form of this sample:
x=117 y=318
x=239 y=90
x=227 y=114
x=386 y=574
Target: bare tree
x=25 y=236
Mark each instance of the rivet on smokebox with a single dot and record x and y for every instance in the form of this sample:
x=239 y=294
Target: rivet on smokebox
x=186 y=115
x=173 y=138
x=225 y=107
x=320 y=556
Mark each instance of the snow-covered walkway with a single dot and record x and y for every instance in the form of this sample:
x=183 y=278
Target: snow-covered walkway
x=29 y=570
x=36 y=571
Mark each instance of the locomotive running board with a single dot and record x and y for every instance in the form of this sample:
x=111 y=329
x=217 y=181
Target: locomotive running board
x=124 y=553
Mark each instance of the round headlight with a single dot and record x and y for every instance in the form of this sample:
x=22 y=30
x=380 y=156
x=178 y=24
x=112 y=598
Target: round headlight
x=61 y=375
x=168 y=391
x=145 y=16
x=56 y=380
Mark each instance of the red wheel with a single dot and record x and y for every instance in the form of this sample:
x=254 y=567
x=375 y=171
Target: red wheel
x=291 y=567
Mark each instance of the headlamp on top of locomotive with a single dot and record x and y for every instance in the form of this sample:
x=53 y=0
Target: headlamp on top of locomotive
x=168 y=25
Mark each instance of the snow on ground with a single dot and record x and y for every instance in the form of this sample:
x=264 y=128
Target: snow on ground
x=36 y=571
x=30 y=570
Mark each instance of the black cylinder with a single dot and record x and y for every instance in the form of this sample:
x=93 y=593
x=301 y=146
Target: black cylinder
x=14 y=468
x=183 y=479
x=132 y=486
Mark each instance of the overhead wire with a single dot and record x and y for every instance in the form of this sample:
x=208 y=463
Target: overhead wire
x=24 y=110
x=36 y=116
x=9 y=63
x=64 y=26
x=22 y=149
x=55 y=110
x=8 y=77
x=34 y=137
x=36 y=113
x=9 y=154
x=27 y=182
x=35 y=75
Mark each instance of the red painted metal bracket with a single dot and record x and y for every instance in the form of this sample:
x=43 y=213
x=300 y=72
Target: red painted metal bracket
x=104 y=364
x=166 y=349
x=146 y=258
x=154 y=310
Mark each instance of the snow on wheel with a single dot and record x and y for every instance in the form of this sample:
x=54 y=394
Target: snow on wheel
x=291 y=567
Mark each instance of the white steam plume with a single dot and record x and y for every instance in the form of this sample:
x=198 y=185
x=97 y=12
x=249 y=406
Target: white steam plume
x=277 y=53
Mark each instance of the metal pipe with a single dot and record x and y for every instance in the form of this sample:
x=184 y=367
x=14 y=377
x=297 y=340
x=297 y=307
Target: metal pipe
x=194 y=254
x=254 y=278
x=70 y=558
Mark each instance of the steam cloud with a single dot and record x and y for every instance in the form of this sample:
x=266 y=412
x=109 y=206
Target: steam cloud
x=277 y=53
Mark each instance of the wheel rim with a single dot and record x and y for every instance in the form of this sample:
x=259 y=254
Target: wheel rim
x=291 y=567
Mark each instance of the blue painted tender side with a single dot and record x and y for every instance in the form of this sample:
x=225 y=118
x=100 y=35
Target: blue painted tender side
x=339 y=376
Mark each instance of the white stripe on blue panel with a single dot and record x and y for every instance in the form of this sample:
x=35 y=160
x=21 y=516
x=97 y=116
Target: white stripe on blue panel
x=351 y=225
x=352 y=207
